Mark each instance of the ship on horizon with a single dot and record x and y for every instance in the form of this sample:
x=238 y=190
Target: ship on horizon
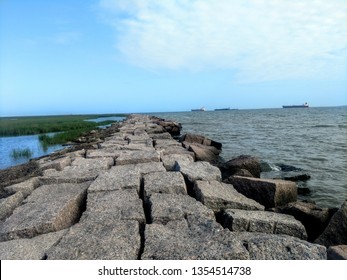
x=200 y=109
x=305 y=105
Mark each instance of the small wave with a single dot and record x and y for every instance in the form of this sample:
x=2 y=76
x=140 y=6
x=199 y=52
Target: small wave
x=323 y=125
x=275 y=167
x=342 y=126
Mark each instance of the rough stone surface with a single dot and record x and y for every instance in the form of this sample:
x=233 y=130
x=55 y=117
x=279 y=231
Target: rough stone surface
x=134 y=157
x=81 y=170
x=26 y=187
x=201 y=170
x=164 y=182
x=122 y=204
x=205 y=153
x=219 y=196
x=262 y=221
x=269 y=193
x=338 y=252
x=116 y=179
x=194 y=238
x=137 y=202
x=199 y=139
x=8 y=204
x=29 y=249
x=107 y=240
x=314 y=218
x=336 y=231
x=49 y=208
x=263 y=246
x=170 y=161
x=58 y=164
x=249 y=163
x=169 y=207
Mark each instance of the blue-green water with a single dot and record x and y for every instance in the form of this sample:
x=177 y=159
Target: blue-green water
x=313 y=139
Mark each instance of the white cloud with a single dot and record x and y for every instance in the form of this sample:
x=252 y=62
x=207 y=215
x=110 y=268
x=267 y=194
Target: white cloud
x=260 y=39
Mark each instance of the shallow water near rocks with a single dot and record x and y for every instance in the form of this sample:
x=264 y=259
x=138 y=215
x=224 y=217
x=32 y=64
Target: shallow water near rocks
x=313 y=139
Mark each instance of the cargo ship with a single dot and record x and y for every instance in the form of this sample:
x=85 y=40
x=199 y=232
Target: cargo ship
x=200 y=109
x=296 y=106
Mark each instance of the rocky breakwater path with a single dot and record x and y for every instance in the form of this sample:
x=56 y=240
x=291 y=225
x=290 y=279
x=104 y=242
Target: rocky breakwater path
x=141 y=194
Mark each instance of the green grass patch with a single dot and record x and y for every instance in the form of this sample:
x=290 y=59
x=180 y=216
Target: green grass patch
x=16 y=126
x=21 y=153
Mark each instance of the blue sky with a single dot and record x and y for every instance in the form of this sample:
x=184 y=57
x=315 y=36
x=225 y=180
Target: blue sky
x=108 y=56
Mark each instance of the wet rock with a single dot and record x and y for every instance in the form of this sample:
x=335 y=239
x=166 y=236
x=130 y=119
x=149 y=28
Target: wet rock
x=29 y=249
x=338 y=252
x=336 y=231
x=219 y=196
x=263 y=221
x=231 y=167
x=164 y=182
x=314 y=218
x=269 y=193
x=263 y=246
x=108 y=239
x=194 y=238
x=49 y=208
x=168 y=207
x=296 y=178
x=200 y=170
x=288 y=168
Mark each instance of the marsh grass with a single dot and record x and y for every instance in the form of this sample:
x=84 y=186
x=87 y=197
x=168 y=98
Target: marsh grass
x=70 y=127
x=21 y=153
x=17 y=126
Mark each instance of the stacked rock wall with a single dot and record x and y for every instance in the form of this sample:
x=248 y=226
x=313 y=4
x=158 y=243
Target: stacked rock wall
x=141 y=194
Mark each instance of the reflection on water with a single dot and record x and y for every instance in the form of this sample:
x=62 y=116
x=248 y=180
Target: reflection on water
x=31 y=142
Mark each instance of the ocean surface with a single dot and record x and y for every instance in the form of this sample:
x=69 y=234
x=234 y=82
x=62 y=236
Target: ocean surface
x=311 y=139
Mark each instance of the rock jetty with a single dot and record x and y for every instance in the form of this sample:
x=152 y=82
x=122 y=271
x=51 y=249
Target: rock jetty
x=145 y=193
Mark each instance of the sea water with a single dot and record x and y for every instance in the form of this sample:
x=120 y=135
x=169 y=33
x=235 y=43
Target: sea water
x=311 y=139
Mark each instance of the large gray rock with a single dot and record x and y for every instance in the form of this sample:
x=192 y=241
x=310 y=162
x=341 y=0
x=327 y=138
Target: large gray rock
x=171 y=160
x=314 y=218
x=270 y=193
x=116 y=179
x=189 y=138
x=219 y=196
x=201 y=170
x=164 y=143
x=108 y=239
x=122 y=204
x=252 y=164
x=49 y=208
x=26 y=187
x=81 y=170
x=338 y=252
x=135 y=157
x=57 y=164
x=144 y=168
x=169 y=207
x=164 y=182
x=262 y=221
x=263 y=246
x=193 y=238
x=8 y=204
x=205 y=153
x=29 y=249
x=336 y=231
